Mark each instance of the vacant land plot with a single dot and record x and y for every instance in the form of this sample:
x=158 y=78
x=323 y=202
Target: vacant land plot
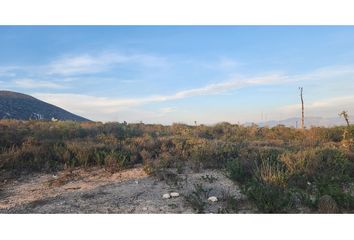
x=117 y=167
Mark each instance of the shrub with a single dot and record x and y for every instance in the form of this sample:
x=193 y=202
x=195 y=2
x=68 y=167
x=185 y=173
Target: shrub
x=213 y=154
x=334 y=190
x=334 y=165
x=326 y=204
x=269 y=198
x=117 y=160
x=30 y=156
x=238 y=171
x=231 y=204
x=271 y=173
x=319 y=163
x=198 y=198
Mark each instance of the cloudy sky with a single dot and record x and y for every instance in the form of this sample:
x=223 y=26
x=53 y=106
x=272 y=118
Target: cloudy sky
x=182 y=74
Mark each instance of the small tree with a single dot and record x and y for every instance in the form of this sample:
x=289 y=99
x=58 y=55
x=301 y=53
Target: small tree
x=347 y=138
x=344 y=114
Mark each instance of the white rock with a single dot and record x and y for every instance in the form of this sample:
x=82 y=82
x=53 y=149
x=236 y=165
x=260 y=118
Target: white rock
x=174 y=194
x=145 y=208
x=166 y=196
x=213 y=199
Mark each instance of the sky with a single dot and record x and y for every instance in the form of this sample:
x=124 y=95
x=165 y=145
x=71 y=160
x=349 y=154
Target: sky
x=167 y=74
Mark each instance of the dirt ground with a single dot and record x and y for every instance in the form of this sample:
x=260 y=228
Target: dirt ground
x=129 y=191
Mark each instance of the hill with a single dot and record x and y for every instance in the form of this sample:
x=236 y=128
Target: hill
x=20 y=106
x=309 y=122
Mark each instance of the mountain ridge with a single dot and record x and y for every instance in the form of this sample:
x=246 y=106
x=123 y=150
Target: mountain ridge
x=19 y=106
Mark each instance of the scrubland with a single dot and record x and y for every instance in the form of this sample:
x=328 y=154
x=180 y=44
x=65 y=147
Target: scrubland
x=279 y=169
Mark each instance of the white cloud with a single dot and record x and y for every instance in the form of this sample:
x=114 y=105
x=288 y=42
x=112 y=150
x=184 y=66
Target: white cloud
x=330 y=71
x=104 y=108
x=225 y=63
x=128 y=81
x=221 y=63
x=167 y=110
x=78 y=64
x=86 y=63
x=322 y=107
x=70 y=67
x=218 y=88
x=31 y=84
x=96 y=107
x=8 y=71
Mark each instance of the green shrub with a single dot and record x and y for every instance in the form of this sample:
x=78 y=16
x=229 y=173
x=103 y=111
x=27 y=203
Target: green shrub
x=213 y=154
x=117 y=160
x=271 y=172
x=334 y=165
x=198 y=198
x=238 y=171
x=344 y=200
x=269 y=198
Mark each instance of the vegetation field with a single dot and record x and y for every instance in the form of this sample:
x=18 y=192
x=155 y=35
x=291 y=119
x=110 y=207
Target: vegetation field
x=279 y=169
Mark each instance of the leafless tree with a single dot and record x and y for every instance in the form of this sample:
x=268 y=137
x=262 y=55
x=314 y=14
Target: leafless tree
x=344 y=114
x=347 y=138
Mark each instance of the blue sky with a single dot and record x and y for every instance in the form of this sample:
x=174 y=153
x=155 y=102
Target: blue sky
x=166 y=74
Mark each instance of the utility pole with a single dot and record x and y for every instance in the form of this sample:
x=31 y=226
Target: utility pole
x=302 y=109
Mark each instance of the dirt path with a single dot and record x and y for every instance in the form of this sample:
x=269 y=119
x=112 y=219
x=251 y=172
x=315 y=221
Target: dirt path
x=129 y=191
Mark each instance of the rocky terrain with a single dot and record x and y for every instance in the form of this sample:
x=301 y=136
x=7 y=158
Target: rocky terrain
x=130 y=191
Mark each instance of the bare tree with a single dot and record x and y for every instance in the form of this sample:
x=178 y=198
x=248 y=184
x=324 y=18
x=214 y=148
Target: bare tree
x=302 y=109
x=344 y=114
x=347 y=138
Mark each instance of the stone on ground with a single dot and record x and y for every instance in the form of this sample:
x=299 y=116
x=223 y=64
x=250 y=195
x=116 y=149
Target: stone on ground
x=212 y=199
x=166 y=196
x=174 y=194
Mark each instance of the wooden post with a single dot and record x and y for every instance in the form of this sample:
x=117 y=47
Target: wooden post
x=302 y=109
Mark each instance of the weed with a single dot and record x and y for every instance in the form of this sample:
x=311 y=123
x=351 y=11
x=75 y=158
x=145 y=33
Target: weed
x=271 y=173
x=268 y=198
x=237 y=171
x=208 y=178
x=231 y=204
x=198 y=198
x=172 y=205
x=326 y=204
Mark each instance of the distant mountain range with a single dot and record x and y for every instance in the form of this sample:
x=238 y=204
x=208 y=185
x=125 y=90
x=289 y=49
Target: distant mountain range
x=20 y=106
x=309 y=121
